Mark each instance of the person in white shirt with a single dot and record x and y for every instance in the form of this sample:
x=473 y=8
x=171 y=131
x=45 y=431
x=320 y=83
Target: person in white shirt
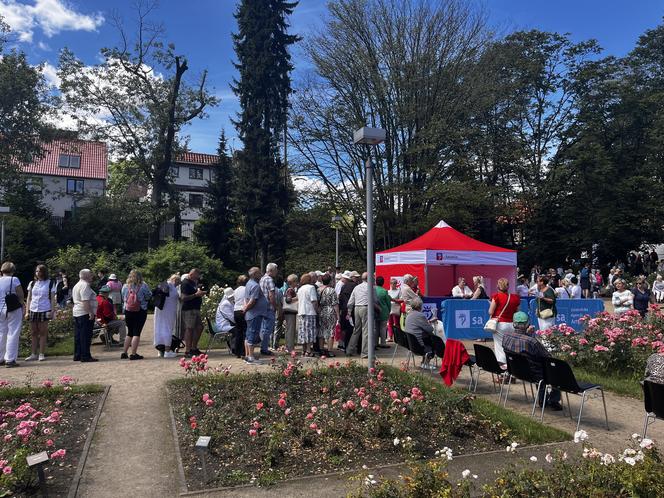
x=576 y=288
x=522 y=289
x=238 y=314
x=462 y=290
x=565 y=290
x=39 y=309
x=307 y=314
x=224 y=319
x=658 y=288
x=339 y=284
x=10 y=321
x=395 y=307
x=84 y=311
x=357 y=307
x=622 y=299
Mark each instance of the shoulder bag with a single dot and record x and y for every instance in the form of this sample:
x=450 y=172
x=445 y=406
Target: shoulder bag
x=491 y=325
x=11 y=298
x=543 y=314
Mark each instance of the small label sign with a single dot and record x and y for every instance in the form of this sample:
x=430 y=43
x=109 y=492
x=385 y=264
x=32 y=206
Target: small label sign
x=37 y=458
x=203 y=442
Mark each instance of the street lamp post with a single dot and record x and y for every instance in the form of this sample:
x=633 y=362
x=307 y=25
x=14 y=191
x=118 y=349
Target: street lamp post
x=336 y=219
x=3 y=211
x=370 y=136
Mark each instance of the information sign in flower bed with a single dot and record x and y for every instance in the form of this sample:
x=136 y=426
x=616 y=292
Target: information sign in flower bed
x=54 y=417
x=295 y=420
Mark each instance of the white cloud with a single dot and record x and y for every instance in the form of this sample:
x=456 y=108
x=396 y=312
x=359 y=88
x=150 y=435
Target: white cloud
x=50 y=72
x=43 y=46
x=52 y=16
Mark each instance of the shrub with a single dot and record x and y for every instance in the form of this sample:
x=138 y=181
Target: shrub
x=610 y=344
x=61 y=327
x=181 y=257
x=73 y=259
x=211 y=302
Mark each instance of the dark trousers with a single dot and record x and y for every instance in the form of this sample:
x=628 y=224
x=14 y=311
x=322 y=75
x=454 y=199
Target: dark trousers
x=346 y=328
x=135 y=321
x=82 y=337
x=240 y=331
x=551 y=398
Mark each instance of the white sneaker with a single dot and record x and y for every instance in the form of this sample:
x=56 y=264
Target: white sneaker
x=32 y=357
x=170 y=354
x=42 y=357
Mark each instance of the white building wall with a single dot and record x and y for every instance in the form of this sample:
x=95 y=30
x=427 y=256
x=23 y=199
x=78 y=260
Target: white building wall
x=54 y=193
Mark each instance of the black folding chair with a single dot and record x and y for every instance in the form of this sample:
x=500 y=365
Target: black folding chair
x=399 y=340
x=558 y=375
x=485 y=360
x=653 y=397
x=519 y=367
x=438 y=347
x=415 y=348
x=218 y=336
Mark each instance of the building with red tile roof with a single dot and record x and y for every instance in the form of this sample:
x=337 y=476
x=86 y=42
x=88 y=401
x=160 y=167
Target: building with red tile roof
x=68 y=173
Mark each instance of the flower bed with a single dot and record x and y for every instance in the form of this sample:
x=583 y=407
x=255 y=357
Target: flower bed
x=610 y=345
x=296 y=420
x=60 y=339
x=637 y=471
x=55 y=418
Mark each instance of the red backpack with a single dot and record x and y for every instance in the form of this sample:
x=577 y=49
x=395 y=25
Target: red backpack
x=131 y=302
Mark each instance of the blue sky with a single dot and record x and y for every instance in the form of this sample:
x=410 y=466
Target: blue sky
x=202 y=29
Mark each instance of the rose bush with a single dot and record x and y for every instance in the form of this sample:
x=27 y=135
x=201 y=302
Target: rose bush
x=30 y=426
x=610 y=344
x=317 y=417
x=636 y=471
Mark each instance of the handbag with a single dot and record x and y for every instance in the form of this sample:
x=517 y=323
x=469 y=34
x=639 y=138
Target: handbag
x=491 y=324
x=286 y=306
x=11 y=299
x=543 y=314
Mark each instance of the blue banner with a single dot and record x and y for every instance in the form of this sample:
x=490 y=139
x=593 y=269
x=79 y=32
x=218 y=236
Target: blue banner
x=569 y=311
x=465 y=319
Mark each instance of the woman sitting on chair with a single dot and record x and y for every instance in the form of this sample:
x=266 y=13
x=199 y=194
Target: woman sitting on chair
x=225 y=318
x=418 y=326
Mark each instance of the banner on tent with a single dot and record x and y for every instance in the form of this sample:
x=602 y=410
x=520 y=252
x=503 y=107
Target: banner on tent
x=464 y=319
x=570 y=311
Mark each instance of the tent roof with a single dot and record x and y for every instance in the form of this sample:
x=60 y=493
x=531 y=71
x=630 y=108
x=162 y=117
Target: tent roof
x=443 y=237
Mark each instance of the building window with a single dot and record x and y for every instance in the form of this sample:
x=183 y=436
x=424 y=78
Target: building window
x=195 y=173
x=195 y=200
x=74 y=186
x=69 y=161
x=175 y=171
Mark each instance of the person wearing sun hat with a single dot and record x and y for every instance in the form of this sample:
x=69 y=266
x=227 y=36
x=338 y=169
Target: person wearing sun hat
x=115 y=293
x=521 y=341
x=106 y=315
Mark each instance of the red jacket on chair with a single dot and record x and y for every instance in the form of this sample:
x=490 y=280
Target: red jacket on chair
x=454 y=359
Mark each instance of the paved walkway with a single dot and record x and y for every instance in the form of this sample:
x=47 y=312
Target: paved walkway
x=133 y=449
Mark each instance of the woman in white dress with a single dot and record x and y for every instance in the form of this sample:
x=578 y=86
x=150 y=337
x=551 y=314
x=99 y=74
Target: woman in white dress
x=622 y=299
x=164 y=318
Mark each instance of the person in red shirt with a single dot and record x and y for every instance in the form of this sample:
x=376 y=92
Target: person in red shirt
x=106 y=315
x=503 y=306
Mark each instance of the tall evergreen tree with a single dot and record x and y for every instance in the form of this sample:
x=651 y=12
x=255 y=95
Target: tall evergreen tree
x=263 y=184
x=217 y=222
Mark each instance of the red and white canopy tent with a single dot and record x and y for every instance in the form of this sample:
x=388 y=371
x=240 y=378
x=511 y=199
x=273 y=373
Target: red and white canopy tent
x=442 y=255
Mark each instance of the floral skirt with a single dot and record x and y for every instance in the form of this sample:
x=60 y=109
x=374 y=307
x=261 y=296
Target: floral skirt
x=307 y=331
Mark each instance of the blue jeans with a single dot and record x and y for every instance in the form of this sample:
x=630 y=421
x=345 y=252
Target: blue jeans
x=267 y=329
x=82 y=337
x=253 y=336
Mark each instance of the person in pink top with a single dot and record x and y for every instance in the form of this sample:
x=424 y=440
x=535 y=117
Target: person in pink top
x=503 y=306
x=115 y=293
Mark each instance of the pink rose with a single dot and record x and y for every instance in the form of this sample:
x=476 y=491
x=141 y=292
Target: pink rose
x=313 y=426
x=7 y=470
x=253 y=432
x=256 y=424
x=209 y=402
x=49 y=442
x=259 y=406
x=394 y=394
x=281 y=403
x=206 y=396
x=287 y=411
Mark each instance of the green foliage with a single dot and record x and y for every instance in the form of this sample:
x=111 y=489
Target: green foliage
x=214 y=228
x=211 y=301
x=110 y=224
x=264 y=191
x=180 y=257
x=60 y=333
x=28 y=242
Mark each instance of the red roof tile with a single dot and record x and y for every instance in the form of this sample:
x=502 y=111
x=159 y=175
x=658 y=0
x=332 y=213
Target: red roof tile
x=94 y=160
x=197 y=158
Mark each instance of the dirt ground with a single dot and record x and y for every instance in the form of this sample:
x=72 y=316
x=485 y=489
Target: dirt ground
x=133 y=451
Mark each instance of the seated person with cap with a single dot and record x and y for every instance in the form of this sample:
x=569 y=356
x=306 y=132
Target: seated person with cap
x=107 y=317
x=521 y=341
x=224 y=321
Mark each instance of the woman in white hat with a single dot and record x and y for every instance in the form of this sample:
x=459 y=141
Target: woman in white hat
x=115 y=293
